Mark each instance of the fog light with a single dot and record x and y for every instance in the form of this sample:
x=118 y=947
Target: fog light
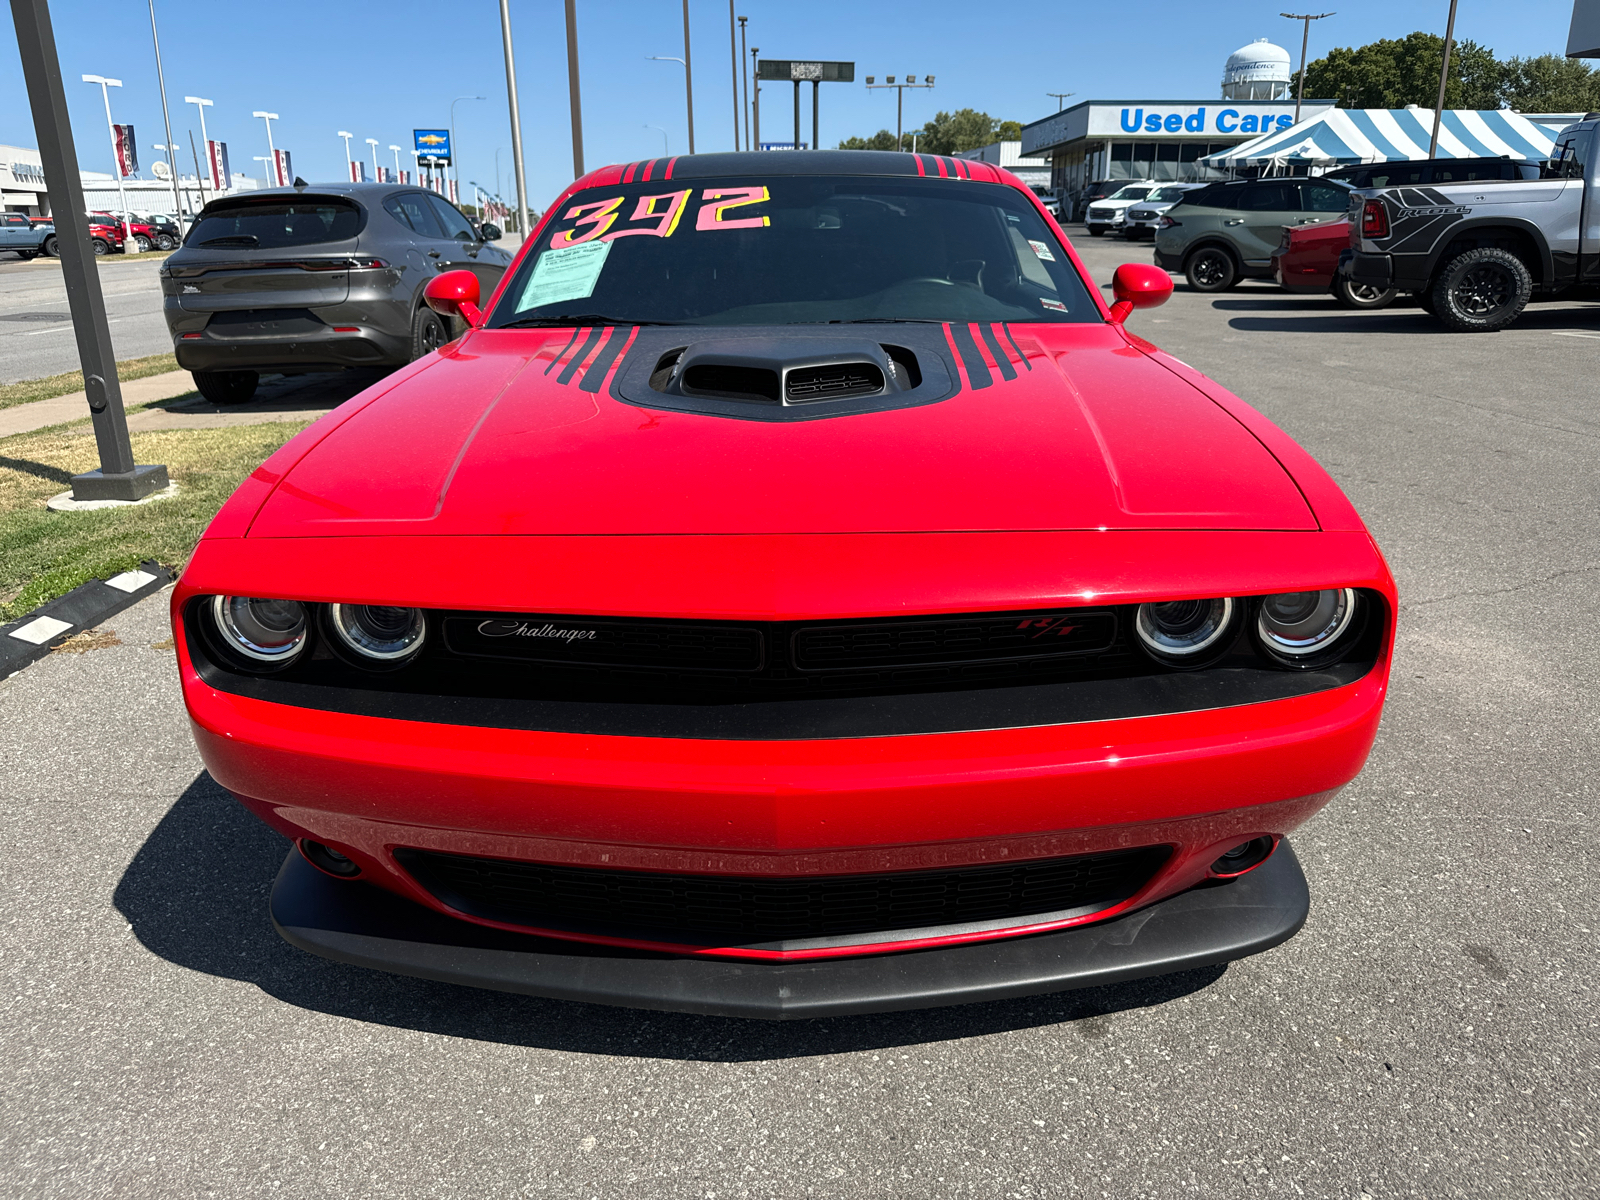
x=267 y=632
x=380 y=635
x=327 y=859
x=1185 y=632
x=1246 y=856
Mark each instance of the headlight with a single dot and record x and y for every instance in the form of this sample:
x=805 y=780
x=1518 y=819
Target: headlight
x=378 y=634
x=1301 y=626
x=263 y=631
x=1185 y=633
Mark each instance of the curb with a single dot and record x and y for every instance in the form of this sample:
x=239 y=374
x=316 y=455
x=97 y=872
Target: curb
x=30 y=638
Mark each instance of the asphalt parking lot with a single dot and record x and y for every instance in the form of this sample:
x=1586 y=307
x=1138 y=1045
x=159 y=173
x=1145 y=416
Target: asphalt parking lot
x=36 y=328
x=1430 y=1033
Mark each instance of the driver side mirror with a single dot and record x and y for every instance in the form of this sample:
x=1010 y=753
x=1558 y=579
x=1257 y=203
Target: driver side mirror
x=455 y=293
x=489 y=232
x=1138 y=285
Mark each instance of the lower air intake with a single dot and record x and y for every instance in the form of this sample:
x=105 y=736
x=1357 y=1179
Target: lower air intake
x=721 y=910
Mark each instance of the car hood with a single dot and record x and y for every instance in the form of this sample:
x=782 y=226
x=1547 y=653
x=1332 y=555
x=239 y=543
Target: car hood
x=1051 y=427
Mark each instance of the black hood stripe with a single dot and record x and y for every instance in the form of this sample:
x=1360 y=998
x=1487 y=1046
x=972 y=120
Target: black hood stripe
x=1002 y=360
x=977 y=370
x=576 y=361
x=601 y=366
x=554 y=362
x=1021 y=357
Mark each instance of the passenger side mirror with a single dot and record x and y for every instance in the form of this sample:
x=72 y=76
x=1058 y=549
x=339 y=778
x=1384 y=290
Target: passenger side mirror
x=489 y=232
x=455 y=293
x=1138 y=285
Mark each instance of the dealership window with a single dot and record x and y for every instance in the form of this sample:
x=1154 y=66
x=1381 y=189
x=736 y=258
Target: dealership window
x=1164 y=162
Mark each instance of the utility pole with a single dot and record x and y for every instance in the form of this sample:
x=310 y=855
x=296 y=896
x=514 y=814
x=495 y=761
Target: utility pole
x=1305 y=41
x=746 y=74
x=1444 y=75
x=574 y=101
x=688 y=74
x=516 y=116
x=118 y=477
x=166 y=119
x=733 y=56
x=1060 y=98
x=755 y=103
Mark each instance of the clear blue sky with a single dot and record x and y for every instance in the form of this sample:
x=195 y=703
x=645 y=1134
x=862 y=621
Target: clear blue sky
x=382 y=69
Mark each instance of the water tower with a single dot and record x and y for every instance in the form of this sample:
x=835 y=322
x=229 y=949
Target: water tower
x=1259 y=71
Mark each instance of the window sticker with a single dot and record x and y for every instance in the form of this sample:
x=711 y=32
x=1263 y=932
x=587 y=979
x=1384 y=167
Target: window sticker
x=722 y=199
x=601 y=216
x=569 y=273
x=1042 y=250
x=666 y=220
x=1052 y=305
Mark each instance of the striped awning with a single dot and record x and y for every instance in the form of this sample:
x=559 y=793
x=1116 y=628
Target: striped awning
x=1346 y=136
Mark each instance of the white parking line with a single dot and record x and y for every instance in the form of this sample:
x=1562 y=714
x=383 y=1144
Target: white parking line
x=59 y=328
x=1564 y=333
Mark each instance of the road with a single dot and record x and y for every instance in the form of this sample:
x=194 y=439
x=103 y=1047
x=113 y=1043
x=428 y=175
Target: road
x=36 y=331
x=1430 y=1033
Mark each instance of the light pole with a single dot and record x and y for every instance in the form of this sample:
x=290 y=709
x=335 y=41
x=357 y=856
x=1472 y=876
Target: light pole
x=666 y=145
x=685 y=66
x=1444 y=75
x=746 y=74
x=116 y=158
x=349 y=163
x=396 y=150
x=1060 y=98
x=733 y=53
x=272 y=153
x=755 y=101
x=373 y=142
x=1305 y=41
x=171 y=152
x=118 y=477
x=455 y=159
x=900 y=100
x=268 y=168
x=166 y=118
x=202 y=105
x=511 y=97
x=574 y=102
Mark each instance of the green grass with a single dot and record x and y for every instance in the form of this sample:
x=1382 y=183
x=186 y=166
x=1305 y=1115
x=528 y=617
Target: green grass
x=45 y=554
x=29 y=390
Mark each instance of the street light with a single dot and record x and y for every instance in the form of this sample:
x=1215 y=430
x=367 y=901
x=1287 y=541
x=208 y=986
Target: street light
x=349 y=163
x=1305 y=40
x=396 y=150
x=455 y=157
x=272 y=153
x=688 y=87
x=166 y=118
x=1060 y=98
x=122 y=196
x=267 y=169
x=900 y=100
x=666 y=145
x=202 y=105
x=373 y=142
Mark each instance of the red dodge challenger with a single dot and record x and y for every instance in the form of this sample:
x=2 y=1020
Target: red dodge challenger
x=826 y=607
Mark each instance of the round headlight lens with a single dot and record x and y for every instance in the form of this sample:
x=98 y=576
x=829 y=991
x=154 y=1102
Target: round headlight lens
x=265 y=631
x=1181 y=630
x=1303 y=623
x=379 y=631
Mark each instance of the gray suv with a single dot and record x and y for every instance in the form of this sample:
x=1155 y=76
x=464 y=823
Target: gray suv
x=1227 y=232
x=321 y=278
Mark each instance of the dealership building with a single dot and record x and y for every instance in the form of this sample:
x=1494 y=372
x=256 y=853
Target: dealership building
x=1164 y=140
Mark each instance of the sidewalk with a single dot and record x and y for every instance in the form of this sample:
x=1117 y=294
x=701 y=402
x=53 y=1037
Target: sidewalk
x=279 y=398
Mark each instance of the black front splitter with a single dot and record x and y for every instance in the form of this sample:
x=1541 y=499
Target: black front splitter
x=359 y=923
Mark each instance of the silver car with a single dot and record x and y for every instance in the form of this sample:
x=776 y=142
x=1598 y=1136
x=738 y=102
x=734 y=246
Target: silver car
x=1144 y=218
x=291 y=280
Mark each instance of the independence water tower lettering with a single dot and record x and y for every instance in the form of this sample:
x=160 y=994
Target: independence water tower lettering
x=1202 y=120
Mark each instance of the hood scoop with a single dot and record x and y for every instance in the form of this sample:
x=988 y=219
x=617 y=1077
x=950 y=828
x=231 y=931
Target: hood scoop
x=786 y=378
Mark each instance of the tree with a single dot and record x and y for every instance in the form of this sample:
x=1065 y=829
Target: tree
x=1549 y=83
x=1009 y=131
x=1393 y=73
x=882 y=140
x=947 y=133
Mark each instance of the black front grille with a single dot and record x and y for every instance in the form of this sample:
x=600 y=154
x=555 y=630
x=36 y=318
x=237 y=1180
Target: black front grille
x=833 y=382
x=595 y=642
x=720 y=910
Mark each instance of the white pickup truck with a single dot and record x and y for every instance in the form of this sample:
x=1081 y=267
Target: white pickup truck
x=1477 y=252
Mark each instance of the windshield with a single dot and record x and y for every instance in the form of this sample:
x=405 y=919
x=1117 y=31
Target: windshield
x=1132 y=193
x=798 y=249
x=269 y=224
x=1164 y=194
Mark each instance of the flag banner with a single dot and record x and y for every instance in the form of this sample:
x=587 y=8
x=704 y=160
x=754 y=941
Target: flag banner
x=127 y=150
x=355 y=172
x=455 y=195
x=405 y=178
x=280 y=163
x=217 y=165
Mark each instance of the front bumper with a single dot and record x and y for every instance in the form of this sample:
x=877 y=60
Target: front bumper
x=356 y=923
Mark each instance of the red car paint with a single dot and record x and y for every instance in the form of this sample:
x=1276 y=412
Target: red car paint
x=1309 y=255
x=1100 y=470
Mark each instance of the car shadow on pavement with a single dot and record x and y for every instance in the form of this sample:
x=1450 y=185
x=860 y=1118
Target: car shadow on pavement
x=1396 y=319
x=196 y=894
